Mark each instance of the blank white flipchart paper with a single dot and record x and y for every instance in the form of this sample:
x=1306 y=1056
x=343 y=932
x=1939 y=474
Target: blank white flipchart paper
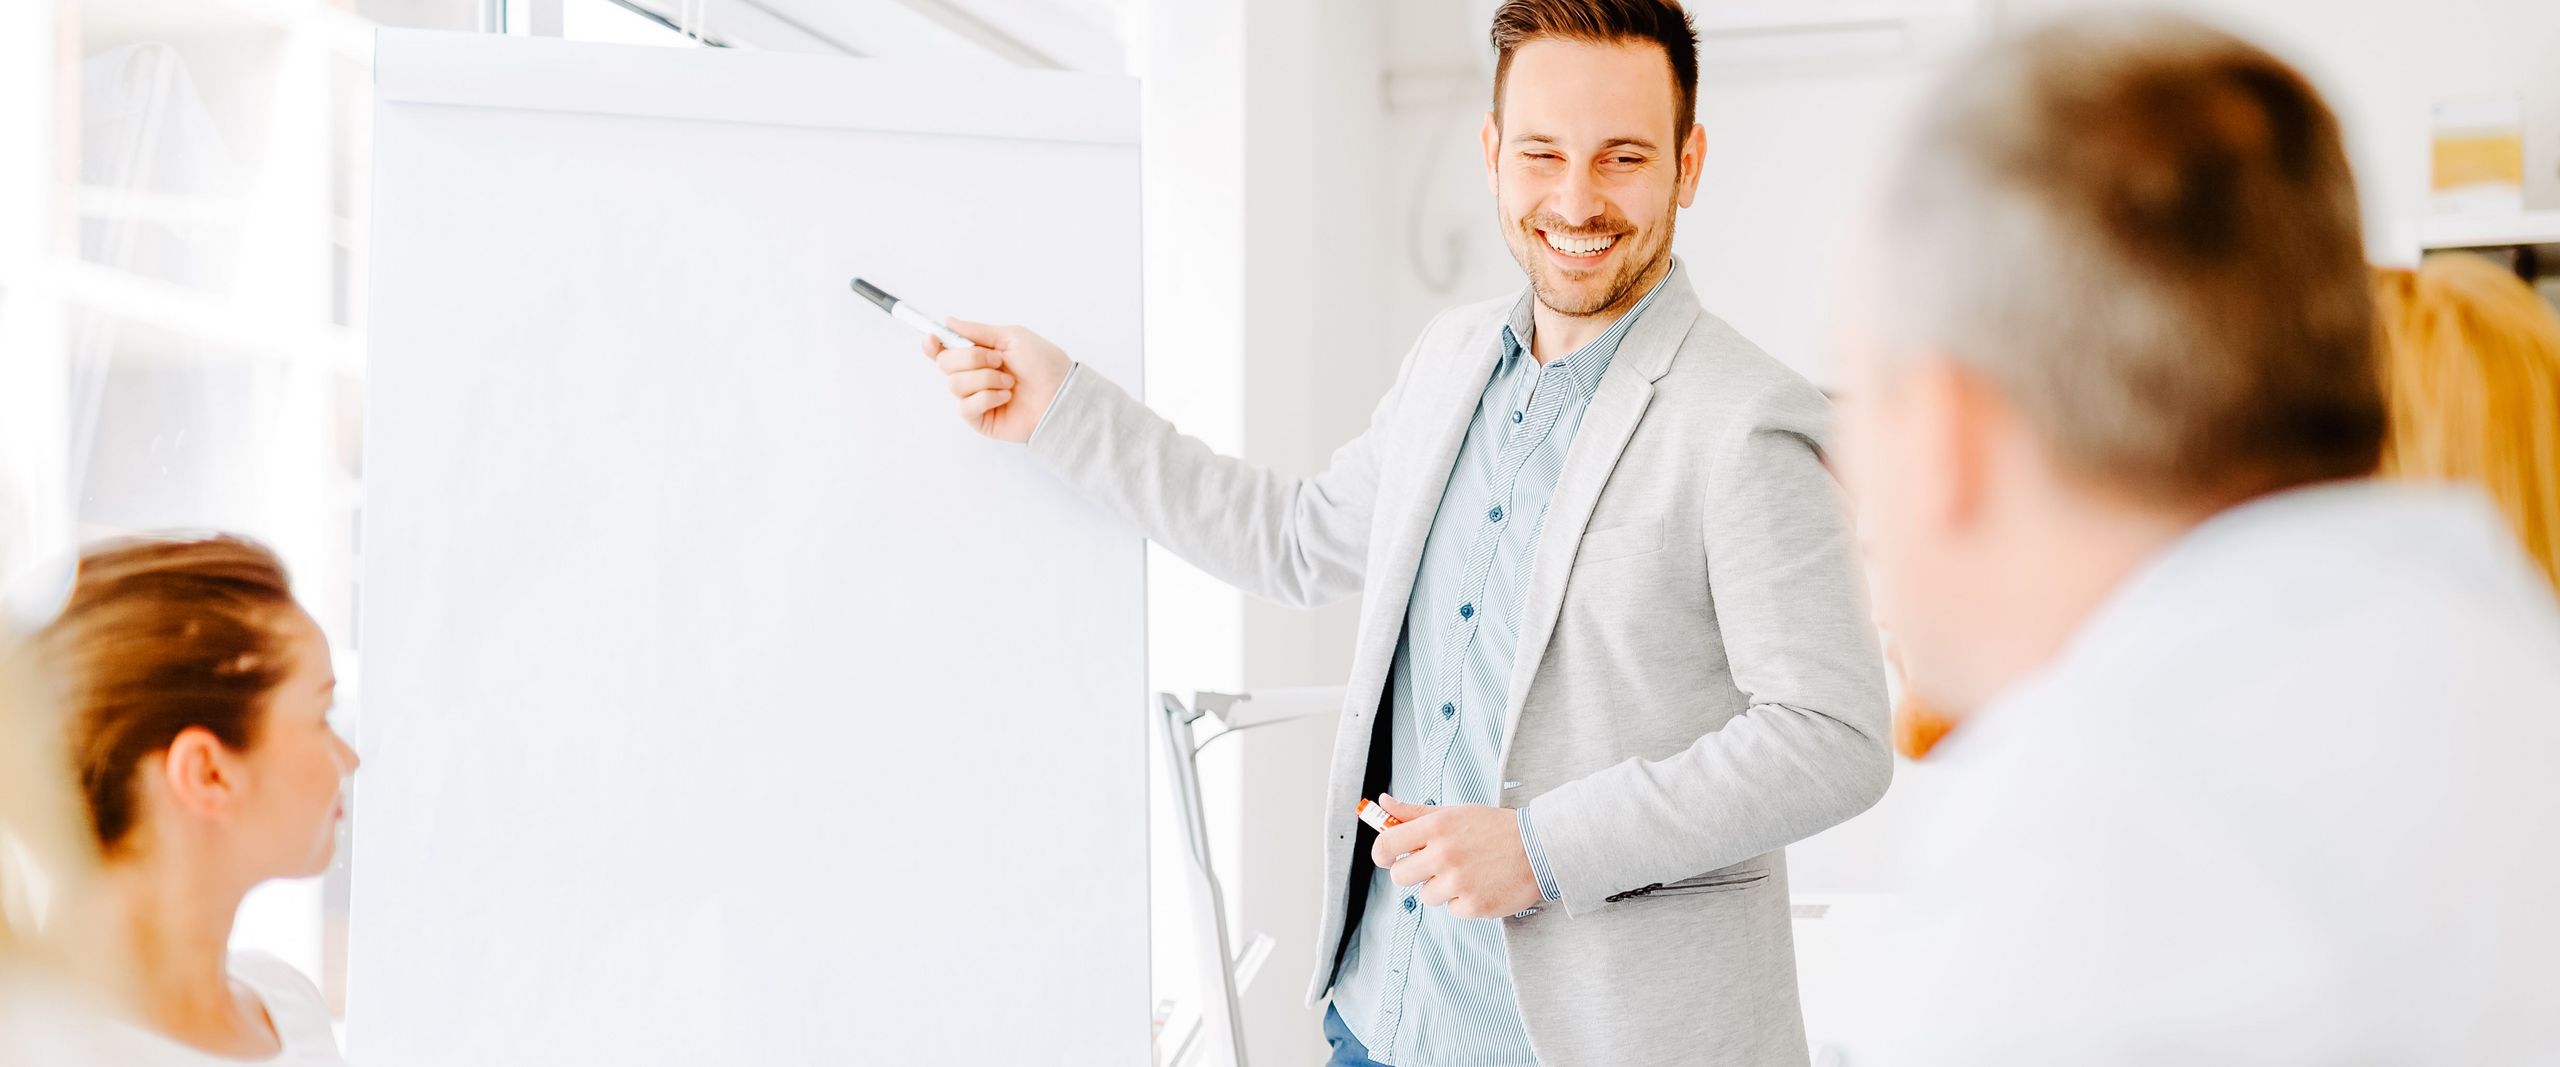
x=726 y=699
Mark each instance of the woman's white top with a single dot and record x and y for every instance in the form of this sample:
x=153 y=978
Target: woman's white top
x=64 y=1035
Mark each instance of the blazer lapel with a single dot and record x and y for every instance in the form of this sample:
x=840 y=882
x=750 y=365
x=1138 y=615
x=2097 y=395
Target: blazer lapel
x=1607 y=425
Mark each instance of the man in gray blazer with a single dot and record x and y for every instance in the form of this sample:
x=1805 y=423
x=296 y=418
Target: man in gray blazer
x=1613 y=652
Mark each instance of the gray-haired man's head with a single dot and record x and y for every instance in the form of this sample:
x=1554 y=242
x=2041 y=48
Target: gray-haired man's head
x=2118 y=265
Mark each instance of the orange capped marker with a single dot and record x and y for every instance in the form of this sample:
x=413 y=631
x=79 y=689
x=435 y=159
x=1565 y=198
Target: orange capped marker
x=1375 y=816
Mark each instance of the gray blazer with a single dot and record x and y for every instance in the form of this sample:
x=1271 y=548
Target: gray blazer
x=1697 y=682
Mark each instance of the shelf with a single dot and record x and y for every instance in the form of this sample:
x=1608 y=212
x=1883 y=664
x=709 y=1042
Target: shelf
x=2489 y=231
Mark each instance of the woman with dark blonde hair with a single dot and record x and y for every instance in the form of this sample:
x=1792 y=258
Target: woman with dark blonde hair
x=194 y=695
x=2472 y=374
x=41 y=858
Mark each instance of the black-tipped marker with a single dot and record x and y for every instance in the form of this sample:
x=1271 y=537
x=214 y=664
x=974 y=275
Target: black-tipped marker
x=906 y=313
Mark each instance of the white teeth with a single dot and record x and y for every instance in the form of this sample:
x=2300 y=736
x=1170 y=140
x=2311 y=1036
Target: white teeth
x=1581 y=246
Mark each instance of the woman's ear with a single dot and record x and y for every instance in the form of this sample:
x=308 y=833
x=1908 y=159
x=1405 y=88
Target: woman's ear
x=198 y=774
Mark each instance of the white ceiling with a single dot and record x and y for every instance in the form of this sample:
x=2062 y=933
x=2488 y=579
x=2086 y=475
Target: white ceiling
x=1058 y=34
x=1082 y=35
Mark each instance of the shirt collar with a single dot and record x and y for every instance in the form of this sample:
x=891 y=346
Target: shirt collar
x=2247 y=562
x=1584 y=365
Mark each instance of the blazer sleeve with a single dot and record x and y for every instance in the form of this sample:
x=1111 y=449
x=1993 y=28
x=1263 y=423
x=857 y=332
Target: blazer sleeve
x=1300 y=542
x=1811 y=750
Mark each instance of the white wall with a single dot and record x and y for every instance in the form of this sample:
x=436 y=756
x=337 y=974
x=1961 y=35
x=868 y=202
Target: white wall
x=1793 y=147
x=1314 y=367
x=1438 y=244
x=1193 y=172
x=1262 y=338
x=2383 y=64
x=35 y=520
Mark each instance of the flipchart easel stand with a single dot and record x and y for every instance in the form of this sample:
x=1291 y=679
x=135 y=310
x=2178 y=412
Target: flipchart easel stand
x=1218 y=1039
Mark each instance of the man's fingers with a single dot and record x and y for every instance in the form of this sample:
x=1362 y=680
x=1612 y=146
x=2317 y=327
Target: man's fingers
x=1401 y=811
x=1439 y=891
x=955 y=360
x=1397 y=840
x=979 y=333
x=976 y=405
x=1414 y=870
x=969 y=382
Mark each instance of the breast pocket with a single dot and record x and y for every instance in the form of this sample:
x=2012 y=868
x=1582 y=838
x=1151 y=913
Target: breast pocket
x=1619 y=542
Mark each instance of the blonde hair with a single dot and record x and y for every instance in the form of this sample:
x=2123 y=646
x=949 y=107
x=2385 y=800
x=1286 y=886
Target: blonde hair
x=2471 y=370
x=161 y=635
x=43 y=854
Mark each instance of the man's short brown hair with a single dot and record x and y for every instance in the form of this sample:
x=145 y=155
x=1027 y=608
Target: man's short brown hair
x=2143 y=231
x=1518 y=22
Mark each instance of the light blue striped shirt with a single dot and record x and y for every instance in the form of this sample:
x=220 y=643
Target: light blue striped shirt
x=1419 y=988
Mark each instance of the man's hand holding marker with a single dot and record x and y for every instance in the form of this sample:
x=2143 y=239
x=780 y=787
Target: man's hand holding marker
x=1466 y=857
x=1003 y=376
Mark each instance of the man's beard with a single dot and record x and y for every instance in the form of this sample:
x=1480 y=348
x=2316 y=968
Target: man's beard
x=1632 y=267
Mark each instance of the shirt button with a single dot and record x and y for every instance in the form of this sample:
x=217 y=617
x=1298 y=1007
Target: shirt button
x=1431 y=802
x=1409 y=905
x=1466 y=611
x=1516 y=417
x=1495 y=514
x=1448 y=711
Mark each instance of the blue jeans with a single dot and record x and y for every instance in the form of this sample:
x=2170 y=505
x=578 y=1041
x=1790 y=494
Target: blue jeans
x=1347 y=1050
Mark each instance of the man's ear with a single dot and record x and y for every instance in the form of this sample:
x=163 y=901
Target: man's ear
x=198 y=774
x=1491 y=135
x=1693 y=162
x=1958 y=414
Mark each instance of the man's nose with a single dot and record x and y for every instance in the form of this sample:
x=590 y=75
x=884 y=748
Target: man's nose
x=1578 y=200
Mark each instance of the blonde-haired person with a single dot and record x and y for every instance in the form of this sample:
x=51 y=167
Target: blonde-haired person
x=2471 y=374
x=194 y=696
x=30 y=808
x=41 y=858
